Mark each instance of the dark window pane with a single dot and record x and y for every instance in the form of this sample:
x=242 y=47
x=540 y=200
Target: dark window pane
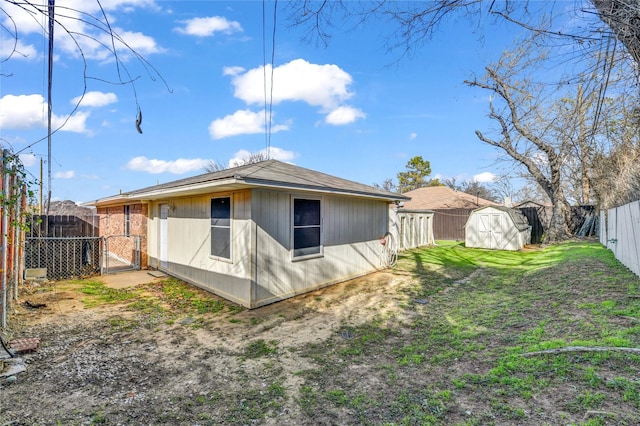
x=221 y=227
x=220 y=208
x=306 y=212
x=306 y=237
x=220 y=242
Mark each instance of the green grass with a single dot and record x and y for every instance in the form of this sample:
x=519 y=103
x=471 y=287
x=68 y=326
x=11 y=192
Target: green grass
x=484 y=310
x=461 y=356
x=98 y=293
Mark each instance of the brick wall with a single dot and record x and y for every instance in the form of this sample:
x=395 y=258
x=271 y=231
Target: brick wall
x=113 y=223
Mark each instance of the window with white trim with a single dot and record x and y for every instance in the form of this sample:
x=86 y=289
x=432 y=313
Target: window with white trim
x=307 y=227
x=221 y=227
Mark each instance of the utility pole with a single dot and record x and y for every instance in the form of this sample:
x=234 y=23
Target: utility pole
x=49 y=100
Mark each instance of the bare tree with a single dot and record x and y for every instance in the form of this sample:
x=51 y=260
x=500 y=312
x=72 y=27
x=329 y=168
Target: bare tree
x=615 y=168
x=388 y=185
x=251 y=158
x=98 y=26
x=623 y=16
x=523 y=129
x=417 y=22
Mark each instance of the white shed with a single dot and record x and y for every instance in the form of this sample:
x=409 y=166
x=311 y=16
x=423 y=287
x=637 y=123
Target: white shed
x=497 y=227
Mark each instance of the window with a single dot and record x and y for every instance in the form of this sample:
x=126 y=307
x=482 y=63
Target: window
x=221 y=227
x=127 y=223
x=306 y=227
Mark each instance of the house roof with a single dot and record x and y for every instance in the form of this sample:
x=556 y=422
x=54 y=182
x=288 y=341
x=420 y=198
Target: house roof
x=520 y=221
x=531 y=203
x=442 y=197
x=272 y=174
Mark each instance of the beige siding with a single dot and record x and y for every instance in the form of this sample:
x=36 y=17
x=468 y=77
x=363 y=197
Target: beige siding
x=189 y=245
x=351 y=232
x=262 y=269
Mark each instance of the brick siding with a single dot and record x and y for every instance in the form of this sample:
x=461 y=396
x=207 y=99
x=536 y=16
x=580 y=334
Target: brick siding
x=112 y=223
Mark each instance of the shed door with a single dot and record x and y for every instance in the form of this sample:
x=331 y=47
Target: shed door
x=490 y=230
x=496 y=231
x=484 y=230
x=164 y=214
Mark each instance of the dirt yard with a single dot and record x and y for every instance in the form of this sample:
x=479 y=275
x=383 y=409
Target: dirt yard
x=451 y=336
x=114 y=364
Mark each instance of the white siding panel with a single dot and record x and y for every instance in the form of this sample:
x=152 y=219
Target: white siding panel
x=351 y=232
x=188 y=252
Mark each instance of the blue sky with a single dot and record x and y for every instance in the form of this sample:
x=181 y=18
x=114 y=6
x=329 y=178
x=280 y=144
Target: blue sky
x=350 y=109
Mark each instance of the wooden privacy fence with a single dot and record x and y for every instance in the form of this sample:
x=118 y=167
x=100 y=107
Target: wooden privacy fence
x=63 y=226
x=620 y=232
x=448 y=224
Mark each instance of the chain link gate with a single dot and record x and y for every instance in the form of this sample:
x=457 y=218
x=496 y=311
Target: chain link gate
x=64 y=257
x=121 y=253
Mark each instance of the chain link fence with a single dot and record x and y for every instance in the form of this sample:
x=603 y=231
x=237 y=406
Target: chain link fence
x=64 y=257
x=71 y=257
x=121 y=253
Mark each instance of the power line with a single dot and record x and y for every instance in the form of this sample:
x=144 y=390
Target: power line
x=268 y=102
x=49 y=100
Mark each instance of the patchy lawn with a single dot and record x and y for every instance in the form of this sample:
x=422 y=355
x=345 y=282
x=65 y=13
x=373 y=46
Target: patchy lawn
x=451 y=336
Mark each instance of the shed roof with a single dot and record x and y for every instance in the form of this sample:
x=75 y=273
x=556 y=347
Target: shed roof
x=442 y=197
x=268 y=174
x=520 y=221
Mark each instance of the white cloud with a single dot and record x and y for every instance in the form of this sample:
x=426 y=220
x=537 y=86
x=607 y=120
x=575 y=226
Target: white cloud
x=275 y=153
x=16 y=49
x=95 y=99
x=205 y=27
x=232 y=70
x=484 y=177
x=344 y=115
x=28 y=159
x=241 y=122
x=69 y=174
x=24 y=112
x=413 y=135
x=326 y=86
x=28 y=19
x=179 y=166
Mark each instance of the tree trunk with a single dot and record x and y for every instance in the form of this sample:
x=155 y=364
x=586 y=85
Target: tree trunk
x=561 y=212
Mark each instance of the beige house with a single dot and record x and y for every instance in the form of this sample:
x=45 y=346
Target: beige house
x=258 y=233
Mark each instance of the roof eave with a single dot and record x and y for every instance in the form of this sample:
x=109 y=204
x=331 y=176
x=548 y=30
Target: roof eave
x=233 y=183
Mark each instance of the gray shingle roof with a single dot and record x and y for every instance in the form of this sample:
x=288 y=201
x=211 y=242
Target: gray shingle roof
x=269 y=174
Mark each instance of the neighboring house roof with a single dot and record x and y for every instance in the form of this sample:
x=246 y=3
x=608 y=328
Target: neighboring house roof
x=520 y=221
x=530 y=203
x=268 y=174
x=442 y=197
x=69 y=208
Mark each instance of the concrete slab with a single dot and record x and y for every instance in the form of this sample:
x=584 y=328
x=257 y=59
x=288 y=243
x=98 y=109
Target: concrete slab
x=122 y=280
